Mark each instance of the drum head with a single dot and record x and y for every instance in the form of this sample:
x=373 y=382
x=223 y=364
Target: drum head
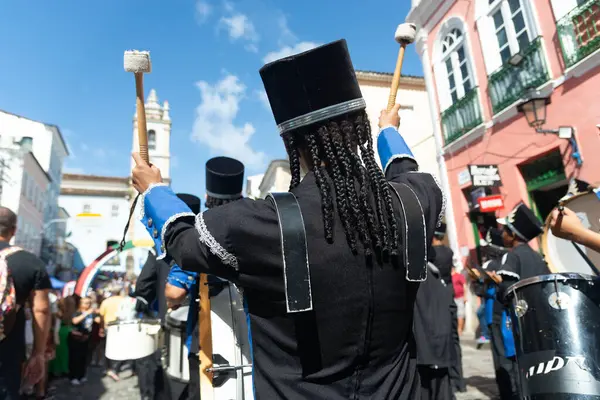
x=560 y=254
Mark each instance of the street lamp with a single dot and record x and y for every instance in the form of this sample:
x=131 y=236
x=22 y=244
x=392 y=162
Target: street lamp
x=534 y=107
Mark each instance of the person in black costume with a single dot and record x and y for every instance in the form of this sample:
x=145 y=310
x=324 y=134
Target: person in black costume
x=443 y=259
x=150 y=288
x=224 y=184
x=520 y=262
x=356 y=341
x=433 y=334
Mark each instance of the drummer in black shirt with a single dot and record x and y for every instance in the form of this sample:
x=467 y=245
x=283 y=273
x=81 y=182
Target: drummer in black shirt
x=521 y=262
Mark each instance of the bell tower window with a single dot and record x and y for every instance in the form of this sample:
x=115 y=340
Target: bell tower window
x=151 y=140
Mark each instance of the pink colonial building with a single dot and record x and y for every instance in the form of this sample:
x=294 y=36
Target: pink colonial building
x=482 y=59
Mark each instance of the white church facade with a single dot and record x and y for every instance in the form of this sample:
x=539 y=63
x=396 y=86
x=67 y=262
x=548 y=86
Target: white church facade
x=100 y=205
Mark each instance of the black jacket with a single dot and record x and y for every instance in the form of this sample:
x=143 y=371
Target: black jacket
x=358 y=341
x=151 y=283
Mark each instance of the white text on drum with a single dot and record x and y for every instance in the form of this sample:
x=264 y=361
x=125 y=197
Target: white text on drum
x=557 y=363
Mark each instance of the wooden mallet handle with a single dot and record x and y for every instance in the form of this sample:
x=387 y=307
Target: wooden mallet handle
x=141 y=117
x=205 y=340
x=396 y=78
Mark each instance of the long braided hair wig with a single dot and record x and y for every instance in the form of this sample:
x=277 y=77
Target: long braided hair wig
x=340 y=153
x=212 y=202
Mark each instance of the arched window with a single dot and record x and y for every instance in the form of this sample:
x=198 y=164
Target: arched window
x=151 y=139
x=505 y=29
x=455 y=61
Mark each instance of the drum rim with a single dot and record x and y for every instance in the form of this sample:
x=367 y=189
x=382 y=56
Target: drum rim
x=147 y=321
x=562 y=277
x=544 y=237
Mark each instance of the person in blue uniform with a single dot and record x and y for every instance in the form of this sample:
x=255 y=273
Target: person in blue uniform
x=149 y=291
x=355 y=340
x=224 y=183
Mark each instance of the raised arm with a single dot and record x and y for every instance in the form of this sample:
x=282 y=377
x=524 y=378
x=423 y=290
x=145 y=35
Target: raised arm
x=400 y=166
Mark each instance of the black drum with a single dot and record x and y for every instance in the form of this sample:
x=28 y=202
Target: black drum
x=556 y=324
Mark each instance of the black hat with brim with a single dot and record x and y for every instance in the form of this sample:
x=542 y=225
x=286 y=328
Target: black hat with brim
x=523 y=223
x=224 y=178
x=312 y=87
x=193 y=202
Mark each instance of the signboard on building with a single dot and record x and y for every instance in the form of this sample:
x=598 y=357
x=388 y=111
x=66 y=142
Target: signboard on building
x=485 y=175
x=490 y=203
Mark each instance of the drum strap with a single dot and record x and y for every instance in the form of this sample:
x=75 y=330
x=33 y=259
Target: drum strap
x=296 y=268
x=412 y=233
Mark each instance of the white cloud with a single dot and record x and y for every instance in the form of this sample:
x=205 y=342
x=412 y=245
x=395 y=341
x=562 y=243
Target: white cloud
x=203 y=10
x=239 y=27
x=215 y=126
x=286 y=35
x=286 y=51
x=261 y=95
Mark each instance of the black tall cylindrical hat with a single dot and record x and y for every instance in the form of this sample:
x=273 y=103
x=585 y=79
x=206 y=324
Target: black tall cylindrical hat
x=193 y=202
x=224 y=178
x=312 y=87
x=523 y=222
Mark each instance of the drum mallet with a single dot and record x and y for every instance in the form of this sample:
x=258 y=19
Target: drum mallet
x=405 y=35
x=139 y=63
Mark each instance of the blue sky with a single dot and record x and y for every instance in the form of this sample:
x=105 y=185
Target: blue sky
x=61 y=62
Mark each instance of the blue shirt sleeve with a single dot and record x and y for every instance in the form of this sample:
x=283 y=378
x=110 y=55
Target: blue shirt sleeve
x=181 y=278
x=392 y=146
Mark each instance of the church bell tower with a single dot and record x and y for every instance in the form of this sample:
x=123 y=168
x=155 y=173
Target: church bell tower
x=158 y=122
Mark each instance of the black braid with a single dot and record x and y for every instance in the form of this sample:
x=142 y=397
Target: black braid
x=372 y=230
x=323 y=184
x=385 y=191
x=362 y=197
x=339 y=183
x=292 y=150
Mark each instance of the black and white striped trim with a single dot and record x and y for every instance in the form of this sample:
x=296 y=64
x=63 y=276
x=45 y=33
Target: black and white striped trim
x=398 y=157
x=215 y=247
x=508 y=273
x=439 y=185
x=171 y=219
x=143 y=196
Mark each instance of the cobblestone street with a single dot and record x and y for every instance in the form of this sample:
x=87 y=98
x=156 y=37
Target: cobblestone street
x=478 y=371
x=477 y=365
x=99 y=387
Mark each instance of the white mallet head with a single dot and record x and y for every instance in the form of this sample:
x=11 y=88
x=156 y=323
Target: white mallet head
x=137 y=61
x=406 y=33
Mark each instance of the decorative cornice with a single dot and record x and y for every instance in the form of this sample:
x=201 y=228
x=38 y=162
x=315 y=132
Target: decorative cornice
x=94 y=192
x=386 y=77
x=94 y=178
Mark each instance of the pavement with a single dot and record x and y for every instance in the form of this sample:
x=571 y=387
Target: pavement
x=478 y=370
x=477 y=366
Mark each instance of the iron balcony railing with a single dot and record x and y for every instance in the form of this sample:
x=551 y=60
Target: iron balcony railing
x=509 y=83
x=579 y=32
x=462 y=116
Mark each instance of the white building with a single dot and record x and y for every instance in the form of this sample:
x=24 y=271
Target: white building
x=100 y=205
x=33 y=154
x=276 y=178
x=415 y=125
